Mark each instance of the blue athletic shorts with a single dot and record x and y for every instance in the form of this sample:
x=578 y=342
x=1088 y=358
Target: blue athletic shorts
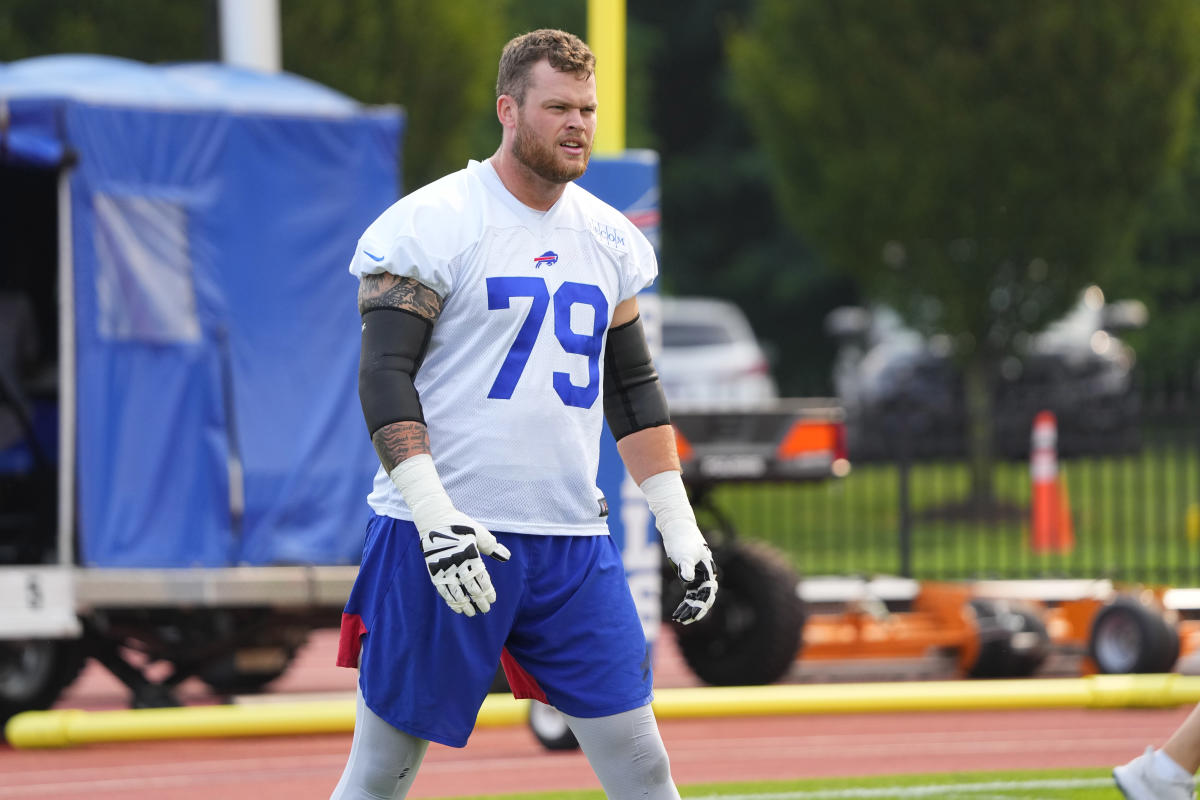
x=563 y=612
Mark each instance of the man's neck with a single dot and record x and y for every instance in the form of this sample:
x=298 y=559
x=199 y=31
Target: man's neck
x=524 y=184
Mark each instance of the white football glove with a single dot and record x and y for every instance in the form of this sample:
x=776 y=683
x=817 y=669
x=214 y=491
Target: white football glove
x=684 y=544
x=452 y=541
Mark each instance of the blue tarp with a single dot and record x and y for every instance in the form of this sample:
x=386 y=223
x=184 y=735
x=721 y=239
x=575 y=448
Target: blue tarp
x=213 y=212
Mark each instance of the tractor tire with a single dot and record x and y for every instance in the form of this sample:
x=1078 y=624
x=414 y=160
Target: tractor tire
x=753 y=632
x=1013 y=640
x=34 y=672
x=1128 y=637
x=1031 y=643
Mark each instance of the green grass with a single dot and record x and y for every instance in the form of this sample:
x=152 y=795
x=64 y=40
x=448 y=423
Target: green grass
x=1081 y=784
x=1136 y=518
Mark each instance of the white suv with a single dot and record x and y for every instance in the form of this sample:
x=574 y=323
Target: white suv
x=710 y=356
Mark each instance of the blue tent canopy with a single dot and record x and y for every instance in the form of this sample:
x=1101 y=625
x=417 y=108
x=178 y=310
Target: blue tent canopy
x=197 y=86
x=213 y=211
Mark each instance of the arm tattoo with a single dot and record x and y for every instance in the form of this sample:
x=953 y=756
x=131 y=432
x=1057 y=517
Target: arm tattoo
x=395 y=442
x=398 y=441
x=386 y=290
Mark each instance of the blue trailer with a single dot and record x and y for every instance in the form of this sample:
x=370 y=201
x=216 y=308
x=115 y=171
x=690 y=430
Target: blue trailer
x=180 y=467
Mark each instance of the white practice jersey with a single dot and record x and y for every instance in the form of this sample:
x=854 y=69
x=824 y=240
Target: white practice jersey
x=511 y=385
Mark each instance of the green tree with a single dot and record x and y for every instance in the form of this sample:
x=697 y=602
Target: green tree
x=438 y=60
x=1166 y=275
x=722 y=233
x=145 y=30
x=976 y=164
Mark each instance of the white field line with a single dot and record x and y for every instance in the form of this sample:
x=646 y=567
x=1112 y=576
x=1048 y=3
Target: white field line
x=942 y=790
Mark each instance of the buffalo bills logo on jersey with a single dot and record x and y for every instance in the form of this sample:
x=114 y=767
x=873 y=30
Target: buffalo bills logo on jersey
x=548 y=258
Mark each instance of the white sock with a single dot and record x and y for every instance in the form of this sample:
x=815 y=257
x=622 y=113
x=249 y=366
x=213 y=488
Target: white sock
x=1168 y=768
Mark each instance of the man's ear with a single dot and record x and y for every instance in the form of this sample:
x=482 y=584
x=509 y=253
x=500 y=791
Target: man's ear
x=506 y=110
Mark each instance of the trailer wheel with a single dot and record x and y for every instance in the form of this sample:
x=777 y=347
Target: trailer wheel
x=550 y=727
x=753 y=632
x=34 y=672
x=1129 y=637
x=1013 y=640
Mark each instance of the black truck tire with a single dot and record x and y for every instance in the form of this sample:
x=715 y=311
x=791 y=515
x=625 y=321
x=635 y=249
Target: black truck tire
x=1129 y=637
x=34 y=672
x=1013 y=640
x=753 y=632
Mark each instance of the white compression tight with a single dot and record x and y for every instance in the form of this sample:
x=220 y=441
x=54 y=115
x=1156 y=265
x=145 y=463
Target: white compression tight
x=625 y=750
x=627 y=754
x=383 y=760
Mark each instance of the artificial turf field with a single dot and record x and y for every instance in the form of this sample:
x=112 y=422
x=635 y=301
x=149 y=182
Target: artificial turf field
x=1082 y=784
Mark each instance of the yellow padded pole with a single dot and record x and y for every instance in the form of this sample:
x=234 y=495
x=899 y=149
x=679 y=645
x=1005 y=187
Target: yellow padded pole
x=606 y=37
x=65 y=728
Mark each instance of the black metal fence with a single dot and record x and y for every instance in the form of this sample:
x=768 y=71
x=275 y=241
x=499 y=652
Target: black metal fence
x=1131 y=498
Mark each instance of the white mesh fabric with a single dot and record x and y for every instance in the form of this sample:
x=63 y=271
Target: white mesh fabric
x=524 y=461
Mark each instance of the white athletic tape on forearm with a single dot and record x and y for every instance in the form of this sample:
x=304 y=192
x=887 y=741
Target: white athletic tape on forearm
x=667 y=498
x=417 y=479
x=676 y=522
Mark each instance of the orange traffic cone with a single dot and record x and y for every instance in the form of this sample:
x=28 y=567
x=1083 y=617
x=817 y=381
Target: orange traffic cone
x=1051 y=530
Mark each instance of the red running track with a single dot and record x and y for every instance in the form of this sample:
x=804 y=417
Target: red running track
x=510 y=760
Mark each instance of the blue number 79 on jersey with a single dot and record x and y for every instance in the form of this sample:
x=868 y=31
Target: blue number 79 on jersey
x=500 y=292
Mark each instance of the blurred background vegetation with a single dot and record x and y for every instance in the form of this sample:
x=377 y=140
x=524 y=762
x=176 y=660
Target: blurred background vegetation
x=976 y=164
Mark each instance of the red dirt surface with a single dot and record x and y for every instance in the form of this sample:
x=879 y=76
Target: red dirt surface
x=510 y=760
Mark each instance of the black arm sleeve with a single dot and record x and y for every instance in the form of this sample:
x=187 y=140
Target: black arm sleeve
x=393 y=345
x=633 y=396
